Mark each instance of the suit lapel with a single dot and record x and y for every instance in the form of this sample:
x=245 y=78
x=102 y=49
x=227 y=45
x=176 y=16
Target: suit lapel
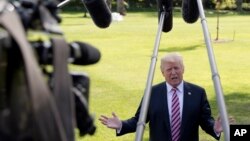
x=164 y=100
x=187 y=96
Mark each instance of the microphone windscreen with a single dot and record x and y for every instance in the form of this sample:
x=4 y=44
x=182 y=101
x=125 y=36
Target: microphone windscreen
x=99 y=12
x=84 y=54
x=167 y=6
x=190 y=11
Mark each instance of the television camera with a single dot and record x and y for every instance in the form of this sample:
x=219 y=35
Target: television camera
x=39 y=98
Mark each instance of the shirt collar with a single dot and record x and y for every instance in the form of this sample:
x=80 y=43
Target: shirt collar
x=179 y=87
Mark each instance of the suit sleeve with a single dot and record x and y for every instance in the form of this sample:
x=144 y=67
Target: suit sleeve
x=129 y=125
x=207 y=121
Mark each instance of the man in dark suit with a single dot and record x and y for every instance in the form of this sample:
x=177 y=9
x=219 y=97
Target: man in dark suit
x=169 y=121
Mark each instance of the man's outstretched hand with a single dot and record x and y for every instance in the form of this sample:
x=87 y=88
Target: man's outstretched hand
x=111 y=122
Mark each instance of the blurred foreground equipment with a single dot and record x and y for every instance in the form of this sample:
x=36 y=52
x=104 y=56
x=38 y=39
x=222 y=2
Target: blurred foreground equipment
x=37 y=103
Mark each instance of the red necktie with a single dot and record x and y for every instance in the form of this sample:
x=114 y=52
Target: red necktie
x=175 y=119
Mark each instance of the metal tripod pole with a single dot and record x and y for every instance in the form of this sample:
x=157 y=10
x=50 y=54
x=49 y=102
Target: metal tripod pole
x=215 y=74
x=144 y=107
x=63 y=3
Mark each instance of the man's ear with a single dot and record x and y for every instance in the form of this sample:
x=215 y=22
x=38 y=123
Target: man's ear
x=162 y=72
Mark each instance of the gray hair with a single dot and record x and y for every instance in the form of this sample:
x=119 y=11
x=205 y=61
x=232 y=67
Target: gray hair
x=172 y=57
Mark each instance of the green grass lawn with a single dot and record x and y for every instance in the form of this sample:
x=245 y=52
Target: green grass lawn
x=118 y=80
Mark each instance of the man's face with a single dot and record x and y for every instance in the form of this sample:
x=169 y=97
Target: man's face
x=173 y=73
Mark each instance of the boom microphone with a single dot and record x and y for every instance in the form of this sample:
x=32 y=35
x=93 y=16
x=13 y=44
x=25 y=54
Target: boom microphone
x=83 y=53
x=190 y=11
x=99 y=11
x=166 y=6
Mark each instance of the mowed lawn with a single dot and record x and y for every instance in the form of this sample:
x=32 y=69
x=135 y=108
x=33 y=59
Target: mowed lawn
x=118 y=80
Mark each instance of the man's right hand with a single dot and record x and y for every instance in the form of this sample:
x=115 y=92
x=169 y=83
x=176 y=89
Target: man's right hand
x=112 y=122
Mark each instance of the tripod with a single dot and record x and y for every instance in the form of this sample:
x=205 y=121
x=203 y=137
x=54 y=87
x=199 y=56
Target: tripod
x=215 y=76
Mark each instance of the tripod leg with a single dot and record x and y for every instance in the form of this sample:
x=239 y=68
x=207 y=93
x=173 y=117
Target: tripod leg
x=146 y=98
x=215 y=74
x=63 y=3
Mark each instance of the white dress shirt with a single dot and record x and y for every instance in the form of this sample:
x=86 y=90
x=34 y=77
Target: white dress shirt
x=180 y=94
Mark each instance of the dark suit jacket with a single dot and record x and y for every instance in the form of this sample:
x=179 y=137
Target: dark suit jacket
x=196 y=112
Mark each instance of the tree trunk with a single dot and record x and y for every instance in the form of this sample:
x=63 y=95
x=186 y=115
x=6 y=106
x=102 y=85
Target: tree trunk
x=239 y=5
x=121 y=7
x=109 y=3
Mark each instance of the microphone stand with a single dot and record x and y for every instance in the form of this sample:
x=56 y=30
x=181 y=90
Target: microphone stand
x=144 y=107
x=215 y=74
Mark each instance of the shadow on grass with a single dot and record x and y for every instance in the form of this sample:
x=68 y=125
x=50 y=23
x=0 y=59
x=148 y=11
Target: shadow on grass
x=238 y=106
x=179 y=49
